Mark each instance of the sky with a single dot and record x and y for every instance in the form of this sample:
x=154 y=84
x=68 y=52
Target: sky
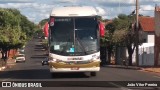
x=36 y=10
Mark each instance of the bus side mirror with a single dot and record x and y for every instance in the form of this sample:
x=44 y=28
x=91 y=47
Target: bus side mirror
x=102 y=29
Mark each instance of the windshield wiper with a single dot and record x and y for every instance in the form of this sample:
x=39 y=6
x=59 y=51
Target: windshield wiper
x=82 y=46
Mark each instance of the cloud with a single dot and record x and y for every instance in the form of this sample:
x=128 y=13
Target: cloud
x=33 y=11
x=67 y=1
x=15 y=1
x=34 y=17
x=114 y=3
x=147 y=7
x=37 y=10
x=100 y=11
x=148 y=2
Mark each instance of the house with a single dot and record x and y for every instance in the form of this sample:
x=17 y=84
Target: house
x=146 y=49
x=147 y=26
x=149 y=52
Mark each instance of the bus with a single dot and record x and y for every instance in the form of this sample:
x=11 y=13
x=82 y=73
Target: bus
x=74 y=40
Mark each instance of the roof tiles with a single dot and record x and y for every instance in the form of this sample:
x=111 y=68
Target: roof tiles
x=147 y=23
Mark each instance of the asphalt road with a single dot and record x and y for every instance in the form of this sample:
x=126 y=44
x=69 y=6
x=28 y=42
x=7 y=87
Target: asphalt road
x=32 y=70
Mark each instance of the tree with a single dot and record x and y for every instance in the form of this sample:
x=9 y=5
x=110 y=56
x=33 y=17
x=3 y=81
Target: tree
x=115 y=33
x=107 y=40
x=11 y=35
x=41 y=25
x=27 y=26
x=123 y=33
x=42 y=22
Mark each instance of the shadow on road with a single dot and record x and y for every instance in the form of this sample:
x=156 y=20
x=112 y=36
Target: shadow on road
x=39 y=56
x=39 y=50
x=38 y=74
x=39 y=45
x=69 y=75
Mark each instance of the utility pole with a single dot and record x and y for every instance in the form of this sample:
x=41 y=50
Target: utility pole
x=137 y=34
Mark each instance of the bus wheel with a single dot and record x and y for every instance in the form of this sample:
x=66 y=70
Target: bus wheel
x=93 y=73
x=53 y=75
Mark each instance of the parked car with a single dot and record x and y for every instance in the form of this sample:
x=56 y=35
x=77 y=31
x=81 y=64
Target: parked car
x=20 y=58
x=21 y=51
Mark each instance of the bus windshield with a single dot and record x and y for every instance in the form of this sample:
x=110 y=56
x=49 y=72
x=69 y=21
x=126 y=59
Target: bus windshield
x=74 y=35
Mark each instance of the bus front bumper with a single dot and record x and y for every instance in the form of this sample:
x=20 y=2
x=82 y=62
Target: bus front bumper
x=62 y=67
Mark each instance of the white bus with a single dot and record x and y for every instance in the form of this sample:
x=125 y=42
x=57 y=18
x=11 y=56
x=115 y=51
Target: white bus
x=74 y=38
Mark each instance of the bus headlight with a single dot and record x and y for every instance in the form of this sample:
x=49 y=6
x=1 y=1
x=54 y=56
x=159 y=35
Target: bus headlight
x=51 y=58
x=96 y=58
x=91 y=60
x=55 y=60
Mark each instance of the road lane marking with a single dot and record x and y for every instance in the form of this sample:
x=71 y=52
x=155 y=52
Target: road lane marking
x=121 y=87
x=6 y=79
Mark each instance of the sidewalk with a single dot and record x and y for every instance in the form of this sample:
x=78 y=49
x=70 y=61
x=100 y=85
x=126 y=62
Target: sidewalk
x=152 y=69
x=147 y=69
x=8 y=64
x=124 y=67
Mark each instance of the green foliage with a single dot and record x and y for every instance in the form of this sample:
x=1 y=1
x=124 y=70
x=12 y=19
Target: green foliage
x=15 y=29
x=42 y=22
x=119 y=30
x=107 y=39
x=99 y=18
x=39 y=32
x=27 y=26
x=110 y=27
x=119 y=37
x=122 y=22
x=41 y=25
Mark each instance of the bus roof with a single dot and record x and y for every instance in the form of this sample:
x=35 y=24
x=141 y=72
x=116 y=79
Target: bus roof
x=74 y=11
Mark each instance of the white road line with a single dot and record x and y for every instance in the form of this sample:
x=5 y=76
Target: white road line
x=6 y=79
x=121 y=87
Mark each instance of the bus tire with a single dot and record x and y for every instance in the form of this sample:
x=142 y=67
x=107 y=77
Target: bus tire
x=53 y=75
x=93 y=73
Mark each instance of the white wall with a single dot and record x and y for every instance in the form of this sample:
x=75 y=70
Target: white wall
x=146 y=55
x=150 y=38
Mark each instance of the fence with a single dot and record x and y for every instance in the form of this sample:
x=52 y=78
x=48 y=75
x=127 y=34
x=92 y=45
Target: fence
x=146 y=55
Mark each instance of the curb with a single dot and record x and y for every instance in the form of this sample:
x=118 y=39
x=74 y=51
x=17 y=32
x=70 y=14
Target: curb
x=7 y=65
x=123 y=67
x=11 y=62
x=2 y=68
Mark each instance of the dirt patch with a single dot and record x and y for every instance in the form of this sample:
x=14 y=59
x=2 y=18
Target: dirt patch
x=2 y=63
x=155 y=70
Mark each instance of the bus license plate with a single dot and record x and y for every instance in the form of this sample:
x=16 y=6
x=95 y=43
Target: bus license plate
x=75 y=68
